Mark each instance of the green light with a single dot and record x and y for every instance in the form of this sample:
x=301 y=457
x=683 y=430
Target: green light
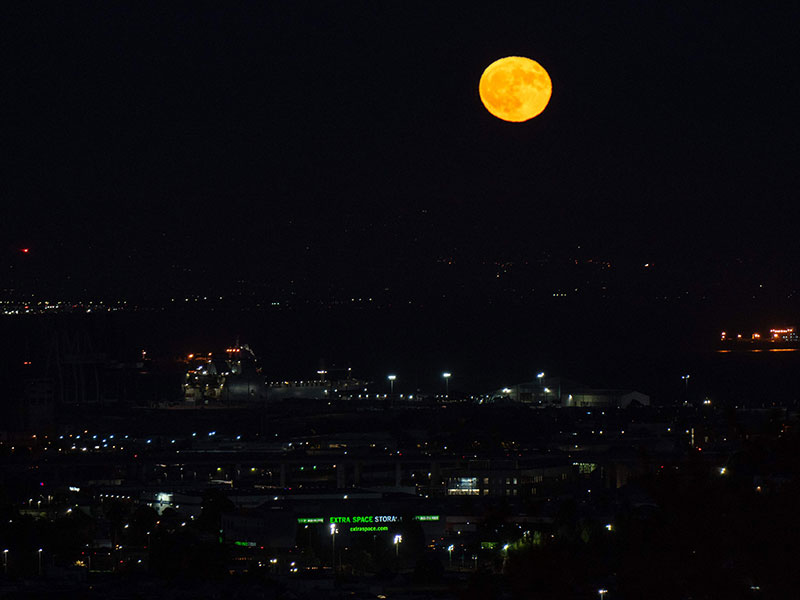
x=368 y=528
x=364 y=519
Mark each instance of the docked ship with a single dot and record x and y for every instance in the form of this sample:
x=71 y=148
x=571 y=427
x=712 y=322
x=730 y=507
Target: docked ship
x=780 y=338
x=234 y=379
x=228 y=379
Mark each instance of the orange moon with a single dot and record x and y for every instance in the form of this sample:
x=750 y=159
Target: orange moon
x=515 y=88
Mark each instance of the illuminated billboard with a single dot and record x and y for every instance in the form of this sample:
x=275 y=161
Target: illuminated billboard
x=365 y=523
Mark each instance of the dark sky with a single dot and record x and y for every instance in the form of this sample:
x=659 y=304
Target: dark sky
x=266 y=138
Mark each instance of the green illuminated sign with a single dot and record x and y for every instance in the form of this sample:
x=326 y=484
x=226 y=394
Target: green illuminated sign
x=365 y=520
x=245 y=544
x=585 y=467
x=369 y=528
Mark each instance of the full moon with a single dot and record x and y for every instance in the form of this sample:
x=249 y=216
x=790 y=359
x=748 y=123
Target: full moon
x=515 y=88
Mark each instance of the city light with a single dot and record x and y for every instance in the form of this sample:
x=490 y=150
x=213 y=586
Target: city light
x=337 y=203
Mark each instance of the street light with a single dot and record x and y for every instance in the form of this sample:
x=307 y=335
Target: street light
x=602 y=593
x=40 y=562
x=540 y=377
x=450 y=549
x=391 y=379
x=686 y=381
x=334 y=531
x=397 y=540
x=446 y=376
x=5 y=562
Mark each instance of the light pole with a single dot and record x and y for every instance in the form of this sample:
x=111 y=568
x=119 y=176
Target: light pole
x=397 y=540
x=40 y=562
x=5 y=562
x=334 y=531
x=540 y=377
x=446 y=376
x=602 y=593
x=391 y=379
x=686 y=382
x=450 y=549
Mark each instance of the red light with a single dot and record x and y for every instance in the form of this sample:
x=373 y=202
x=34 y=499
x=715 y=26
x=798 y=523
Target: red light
x=24 y=250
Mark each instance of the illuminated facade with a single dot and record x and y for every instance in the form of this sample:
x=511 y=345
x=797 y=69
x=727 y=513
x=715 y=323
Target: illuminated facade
x=487 y=478
x=558 y=392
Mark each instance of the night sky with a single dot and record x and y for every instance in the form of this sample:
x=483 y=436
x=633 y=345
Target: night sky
x=343 y=141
